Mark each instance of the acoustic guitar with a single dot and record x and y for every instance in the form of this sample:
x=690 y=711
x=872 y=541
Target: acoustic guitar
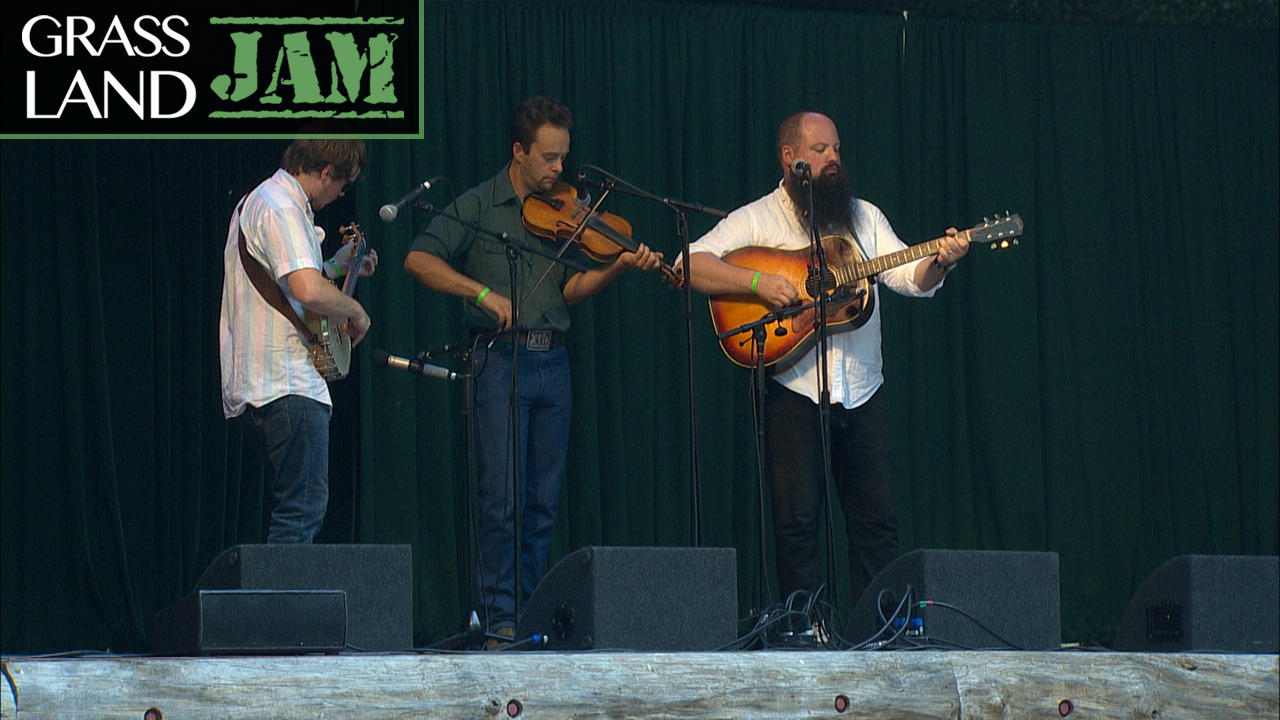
x=331 y=352
x=848 y=286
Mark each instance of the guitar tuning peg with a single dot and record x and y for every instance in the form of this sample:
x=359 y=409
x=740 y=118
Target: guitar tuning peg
x=986 y=219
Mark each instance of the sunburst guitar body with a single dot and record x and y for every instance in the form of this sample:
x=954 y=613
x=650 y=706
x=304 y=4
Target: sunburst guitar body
x=847 y=286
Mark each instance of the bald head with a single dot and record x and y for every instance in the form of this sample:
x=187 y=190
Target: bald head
x=812 y=137
x=797 y=131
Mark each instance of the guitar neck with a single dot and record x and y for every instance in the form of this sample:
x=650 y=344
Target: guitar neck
x=1000 y=232
x=862 y=270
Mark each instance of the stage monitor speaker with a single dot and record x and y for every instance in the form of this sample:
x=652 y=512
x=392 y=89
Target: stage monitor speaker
x=654 y=599
x=253 y=622
x=1012 y=598
x=378 y=581
x=1205 y=603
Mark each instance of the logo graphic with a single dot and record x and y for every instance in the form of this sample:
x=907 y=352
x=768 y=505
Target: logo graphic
x=87 y=72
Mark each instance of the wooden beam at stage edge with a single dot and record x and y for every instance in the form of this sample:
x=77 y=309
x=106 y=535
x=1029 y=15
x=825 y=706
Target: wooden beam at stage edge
x=745 y=685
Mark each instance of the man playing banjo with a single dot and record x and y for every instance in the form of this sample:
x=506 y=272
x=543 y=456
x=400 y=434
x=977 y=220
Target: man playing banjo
x=268 y=373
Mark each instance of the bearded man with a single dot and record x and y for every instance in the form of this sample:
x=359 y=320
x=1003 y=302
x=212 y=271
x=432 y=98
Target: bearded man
x=859 y=420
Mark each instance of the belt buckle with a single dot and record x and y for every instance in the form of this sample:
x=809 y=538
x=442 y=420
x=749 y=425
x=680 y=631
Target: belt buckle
x=538 y=340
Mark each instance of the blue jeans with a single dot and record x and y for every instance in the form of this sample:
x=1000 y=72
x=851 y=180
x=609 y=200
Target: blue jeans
x=546 y=404
x=862 y=471
x=294 y=431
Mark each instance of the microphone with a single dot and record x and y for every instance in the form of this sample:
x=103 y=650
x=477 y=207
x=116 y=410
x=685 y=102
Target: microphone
x=584 y=198
x=382 y=359
x=389 y=212
x=799 y=167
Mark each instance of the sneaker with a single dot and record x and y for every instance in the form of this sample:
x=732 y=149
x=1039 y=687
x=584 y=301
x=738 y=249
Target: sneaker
x=494 y=643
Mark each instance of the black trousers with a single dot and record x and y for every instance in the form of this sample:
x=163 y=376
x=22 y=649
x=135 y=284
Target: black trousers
x=862 y=470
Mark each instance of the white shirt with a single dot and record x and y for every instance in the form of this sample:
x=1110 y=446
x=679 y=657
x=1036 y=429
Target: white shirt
x=263 y=356
x=853 y=356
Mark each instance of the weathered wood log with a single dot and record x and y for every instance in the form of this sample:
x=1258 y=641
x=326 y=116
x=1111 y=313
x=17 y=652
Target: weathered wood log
x=492 y=686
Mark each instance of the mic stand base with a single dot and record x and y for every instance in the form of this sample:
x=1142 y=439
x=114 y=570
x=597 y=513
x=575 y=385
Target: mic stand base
x=471 y=638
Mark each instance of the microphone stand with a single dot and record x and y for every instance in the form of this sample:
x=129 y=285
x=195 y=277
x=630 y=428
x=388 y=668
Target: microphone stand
x=758 y=337
x=679 y=207
x=514 y=247
x=474 y=632
x=818 y=264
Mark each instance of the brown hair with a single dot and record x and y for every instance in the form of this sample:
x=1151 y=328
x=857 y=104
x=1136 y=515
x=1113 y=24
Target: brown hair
x=348 y=157
x=533 y=114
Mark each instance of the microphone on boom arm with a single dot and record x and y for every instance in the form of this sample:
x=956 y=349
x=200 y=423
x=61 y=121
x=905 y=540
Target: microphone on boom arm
x=390 y=211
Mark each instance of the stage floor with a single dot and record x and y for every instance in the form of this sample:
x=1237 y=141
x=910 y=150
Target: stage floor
x=763 y=684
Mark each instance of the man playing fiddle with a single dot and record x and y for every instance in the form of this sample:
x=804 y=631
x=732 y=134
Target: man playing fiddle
x=539 y=141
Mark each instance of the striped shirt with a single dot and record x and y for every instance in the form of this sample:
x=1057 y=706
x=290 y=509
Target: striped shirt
x=853 y=356
x=263 y=356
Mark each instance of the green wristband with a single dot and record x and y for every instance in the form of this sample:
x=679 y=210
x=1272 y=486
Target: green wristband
x=480 y=297
x=755 y=281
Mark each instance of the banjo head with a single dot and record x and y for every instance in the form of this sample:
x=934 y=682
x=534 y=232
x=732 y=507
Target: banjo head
x=341 y=347
x=331 y=354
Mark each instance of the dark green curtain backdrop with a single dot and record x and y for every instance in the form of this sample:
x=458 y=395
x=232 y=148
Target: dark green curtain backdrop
x=1107 y=390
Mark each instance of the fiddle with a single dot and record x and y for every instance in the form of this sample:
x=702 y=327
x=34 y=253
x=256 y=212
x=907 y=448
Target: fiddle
x=558 y=216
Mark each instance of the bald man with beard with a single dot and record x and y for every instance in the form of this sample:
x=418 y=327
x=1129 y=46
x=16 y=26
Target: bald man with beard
x=859 y=420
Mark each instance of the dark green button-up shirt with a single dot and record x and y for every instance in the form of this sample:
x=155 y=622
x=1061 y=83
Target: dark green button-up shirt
x=493 y=205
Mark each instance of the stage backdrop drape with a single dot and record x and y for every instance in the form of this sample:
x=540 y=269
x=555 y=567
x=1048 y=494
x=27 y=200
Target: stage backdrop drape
x=1106 y=390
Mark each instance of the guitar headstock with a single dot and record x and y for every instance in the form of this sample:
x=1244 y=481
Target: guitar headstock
x=1001 y=232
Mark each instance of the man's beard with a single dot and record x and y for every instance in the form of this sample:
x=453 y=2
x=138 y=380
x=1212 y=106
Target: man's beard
x=832 y=201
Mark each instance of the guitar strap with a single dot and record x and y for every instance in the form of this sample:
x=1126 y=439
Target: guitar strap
x=266 y=287
x=857 y=240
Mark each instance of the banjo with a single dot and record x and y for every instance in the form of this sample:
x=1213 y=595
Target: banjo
x=331 y=345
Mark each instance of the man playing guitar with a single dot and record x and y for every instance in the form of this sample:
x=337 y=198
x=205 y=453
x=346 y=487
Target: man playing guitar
x=808 y=144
